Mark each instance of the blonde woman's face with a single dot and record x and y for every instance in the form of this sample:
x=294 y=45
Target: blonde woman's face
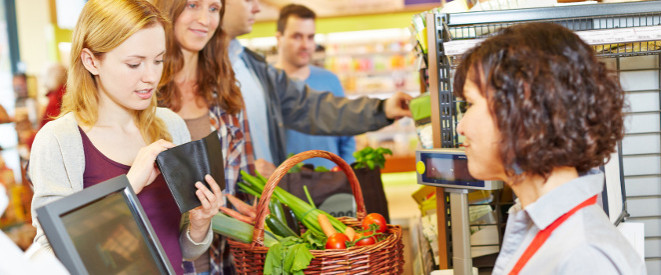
x=129 y=74
x=197 y=23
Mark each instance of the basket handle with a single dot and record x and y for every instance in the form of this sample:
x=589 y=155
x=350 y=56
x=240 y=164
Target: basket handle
x=281 y=171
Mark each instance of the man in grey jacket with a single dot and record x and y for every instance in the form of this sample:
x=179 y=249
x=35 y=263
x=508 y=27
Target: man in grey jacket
x=274 y=102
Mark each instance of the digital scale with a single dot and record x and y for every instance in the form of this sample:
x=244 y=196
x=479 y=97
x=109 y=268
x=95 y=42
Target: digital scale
x=448 y=168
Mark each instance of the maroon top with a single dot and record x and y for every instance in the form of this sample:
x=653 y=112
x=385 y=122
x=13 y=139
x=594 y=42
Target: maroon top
x=156 y=199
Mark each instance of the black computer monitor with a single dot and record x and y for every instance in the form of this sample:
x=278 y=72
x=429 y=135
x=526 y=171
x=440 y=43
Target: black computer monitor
x=103 y=230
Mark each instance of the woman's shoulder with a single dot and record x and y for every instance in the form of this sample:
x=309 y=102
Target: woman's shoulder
x=170 y=118
x=58 y=139
x=595 y=240
x=594 y=256
x=67 y=119
x=63 y=126
x=175 y=124
x=166 y=113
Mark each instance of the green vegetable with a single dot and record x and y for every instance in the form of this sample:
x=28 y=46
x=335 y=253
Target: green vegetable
x=290 y=256
x=321 y=169
x=315 y=241
x=297 y=222
x=277 y=210
x=278 y=227
x=260 y=177
x=307 y=194
x=238 y=230
x=248 y=189
x=369 y=157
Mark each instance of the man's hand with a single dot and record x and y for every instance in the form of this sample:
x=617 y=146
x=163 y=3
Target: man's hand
x=397 y=106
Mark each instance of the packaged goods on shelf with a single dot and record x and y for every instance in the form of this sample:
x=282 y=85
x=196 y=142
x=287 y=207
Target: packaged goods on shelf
x=366 y=62
x=421 y=110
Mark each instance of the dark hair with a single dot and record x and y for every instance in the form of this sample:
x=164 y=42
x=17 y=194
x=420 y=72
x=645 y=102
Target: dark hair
x=216 y=82
x=554 y=103
x=299 y=11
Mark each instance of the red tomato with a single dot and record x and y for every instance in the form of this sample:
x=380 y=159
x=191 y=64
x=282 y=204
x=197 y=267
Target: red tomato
x=375 y=218
x=366 y=241
x=336 y=169
x=337 y=241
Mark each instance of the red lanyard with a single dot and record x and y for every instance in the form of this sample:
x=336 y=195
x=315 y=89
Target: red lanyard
x=542 y=235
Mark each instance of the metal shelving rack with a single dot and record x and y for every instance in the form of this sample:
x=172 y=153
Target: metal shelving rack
x=616 y=31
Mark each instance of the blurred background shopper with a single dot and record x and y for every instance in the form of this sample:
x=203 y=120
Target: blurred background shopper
x=296 y=47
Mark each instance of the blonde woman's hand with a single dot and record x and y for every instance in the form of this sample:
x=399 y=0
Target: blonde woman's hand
x=200 y=217
x=143 y=170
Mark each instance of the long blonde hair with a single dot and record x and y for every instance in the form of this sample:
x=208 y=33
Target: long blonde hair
x=102 y=26
x=215 y=78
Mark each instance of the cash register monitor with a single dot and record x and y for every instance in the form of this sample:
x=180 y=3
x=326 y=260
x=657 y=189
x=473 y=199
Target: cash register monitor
x=103 y=230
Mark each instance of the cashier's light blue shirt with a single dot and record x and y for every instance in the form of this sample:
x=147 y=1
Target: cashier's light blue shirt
x=586 y=243
x=253 y=97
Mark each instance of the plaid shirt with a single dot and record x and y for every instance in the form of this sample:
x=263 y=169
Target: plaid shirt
x=234 y=135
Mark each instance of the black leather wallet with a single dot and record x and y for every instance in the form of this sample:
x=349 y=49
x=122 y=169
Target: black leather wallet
x=186 y=164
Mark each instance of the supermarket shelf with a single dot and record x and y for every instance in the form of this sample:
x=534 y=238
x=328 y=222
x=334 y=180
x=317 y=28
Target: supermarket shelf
x=367 y=54
x=386 y=72
x=604 y=40
x=559 y=12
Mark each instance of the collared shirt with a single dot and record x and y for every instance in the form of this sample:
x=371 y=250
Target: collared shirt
x=236 y=141
x=253 y=97
x=586 y=243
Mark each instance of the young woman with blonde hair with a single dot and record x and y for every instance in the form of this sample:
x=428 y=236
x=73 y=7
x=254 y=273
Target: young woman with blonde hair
x=110 y=124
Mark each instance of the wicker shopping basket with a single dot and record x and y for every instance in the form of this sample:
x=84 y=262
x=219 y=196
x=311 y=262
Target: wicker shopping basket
x=384 y=257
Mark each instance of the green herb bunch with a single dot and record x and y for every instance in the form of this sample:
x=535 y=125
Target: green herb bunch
x=370 y=157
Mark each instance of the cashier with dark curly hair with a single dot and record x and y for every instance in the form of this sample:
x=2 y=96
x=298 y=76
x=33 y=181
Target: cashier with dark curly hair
x=542 y=113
